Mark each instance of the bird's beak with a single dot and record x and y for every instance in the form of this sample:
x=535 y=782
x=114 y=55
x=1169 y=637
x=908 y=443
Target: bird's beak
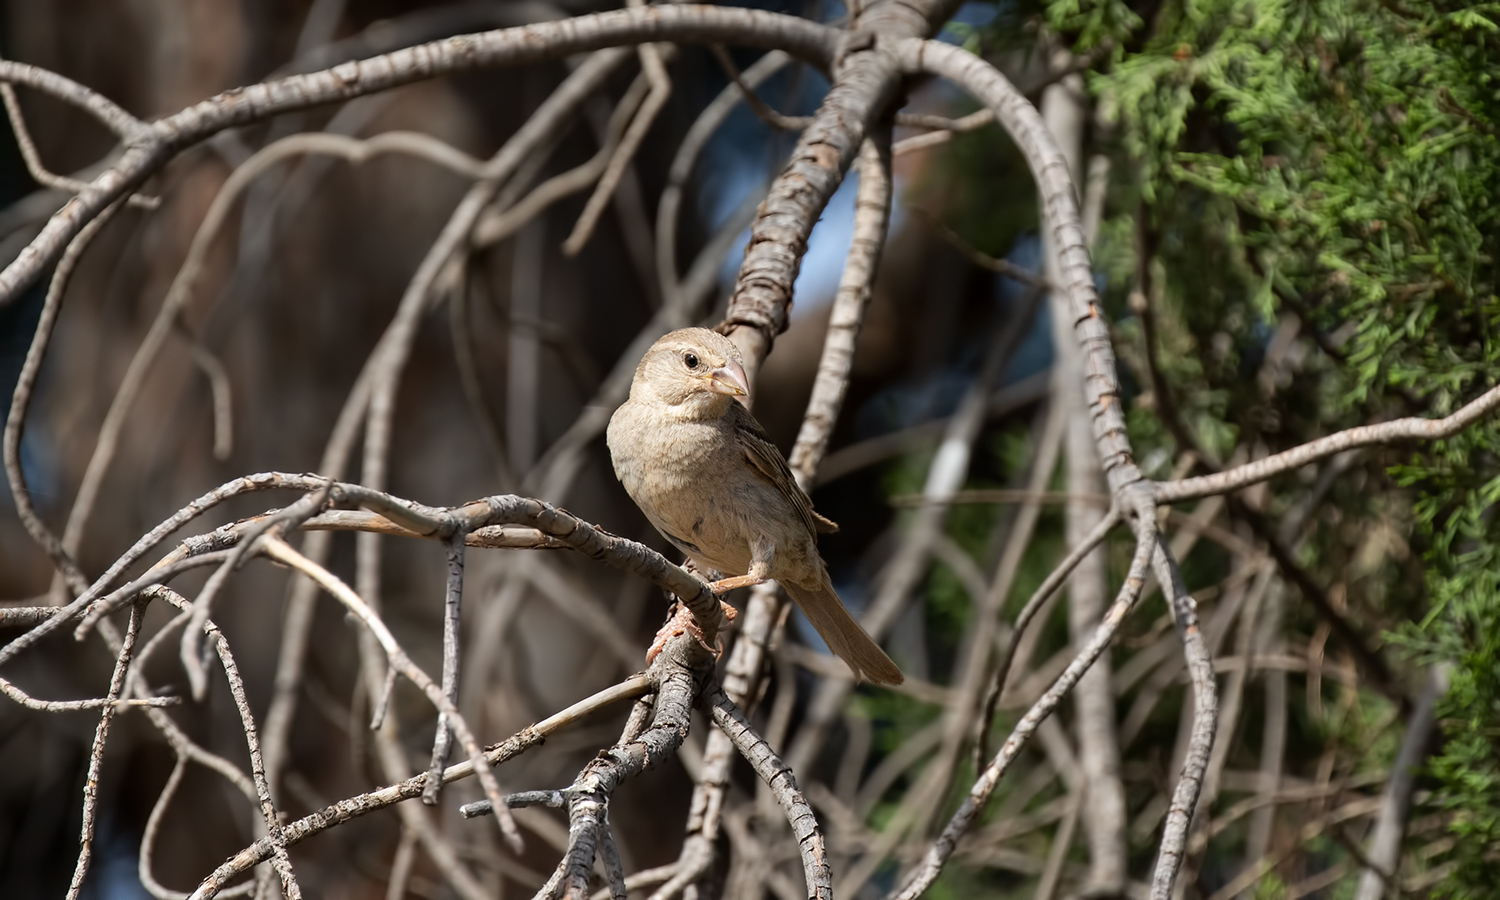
x=729 y=379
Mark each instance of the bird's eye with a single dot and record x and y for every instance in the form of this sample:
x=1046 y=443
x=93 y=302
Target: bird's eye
x=691 y=360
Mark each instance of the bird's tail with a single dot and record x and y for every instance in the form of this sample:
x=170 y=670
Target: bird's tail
x=843 y=635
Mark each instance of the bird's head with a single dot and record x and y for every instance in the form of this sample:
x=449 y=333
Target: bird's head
x=694 y=369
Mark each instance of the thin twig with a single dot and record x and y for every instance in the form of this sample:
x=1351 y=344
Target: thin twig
x=281 y=551
x=1410 y=429
x=451 y=606
x=96 y=753
x=1045 y=590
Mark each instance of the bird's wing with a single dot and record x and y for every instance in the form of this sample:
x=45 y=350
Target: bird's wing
x=766 y=461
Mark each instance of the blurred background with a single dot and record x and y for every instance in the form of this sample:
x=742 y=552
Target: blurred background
x=1264 y=288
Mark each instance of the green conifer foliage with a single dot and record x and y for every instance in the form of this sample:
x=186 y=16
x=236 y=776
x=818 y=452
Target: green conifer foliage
x=1340 y=160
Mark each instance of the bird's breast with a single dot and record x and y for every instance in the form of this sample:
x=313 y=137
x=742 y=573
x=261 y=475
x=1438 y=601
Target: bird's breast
x=687 y=478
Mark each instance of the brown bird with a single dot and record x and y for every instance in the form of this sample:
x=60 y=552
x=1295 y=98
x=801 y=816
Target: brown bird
x=701 y=469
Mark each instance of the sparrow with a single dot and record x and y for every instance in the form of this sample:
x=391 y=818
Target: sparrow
x=702 y=470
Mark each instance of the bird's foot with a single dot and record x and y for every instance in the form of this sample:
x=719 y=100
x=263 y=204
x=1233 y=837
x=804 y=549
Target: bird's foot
x=682 y=622
x=725 y=585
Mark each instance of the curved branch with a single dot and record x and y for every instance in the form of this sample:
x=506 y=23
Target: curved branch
x=1205 y=720
x=1061 y=217
x=783 y=784
x=947 y=842
x=1409 y=429
x=151 y=147
x=109 y=113
x=411 y=788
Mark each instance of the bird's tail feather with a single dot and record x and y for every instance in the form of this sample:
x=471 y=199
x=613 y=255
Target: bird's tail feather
x=844 y=636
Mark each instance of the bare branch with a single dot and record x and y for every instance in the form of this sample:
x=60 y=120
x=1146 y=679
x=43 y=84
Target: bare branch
x=279 y=550
x=453 y=598
x=410 y=789
x=942 y=849
x=1384 y=854
x=96 y=754
x=1411 y=429
x=153 y=145
x=783 y=784
x=1044 y=591
x=69 y=91
x=1205 y=719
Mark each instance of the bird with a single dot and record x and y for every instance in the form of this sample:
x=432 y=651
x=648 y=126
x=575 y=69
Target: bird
x=701 y=468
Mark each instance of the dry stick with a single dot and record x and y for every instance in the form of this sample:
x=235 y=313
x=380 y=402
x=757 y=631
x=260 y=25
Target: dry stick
x=909 y=561
x=275 y=524
x=1384 y=853
x=503 y=224
x=33 y=159
x=669 y=205
x=404 y=518
x=184 y=285
x=96 y=754
x=406 y=854
x=783 y=785
x=363 y=804
x=942 y=849
x=184 y=748
x=289 y=887
x=1409 y=429
x=148 y=842
x=1248 y=637
x=661 y=89
x=90 y=593
x=540 y=130
x=588 y=796
x=71 y=92
x=153 y=146
x=925 y=798
x=25 y=616
x=1048 y=587
x=15 y=422
x=280 y=551
x=1205 y=718
x=830 y=385
x=441 y=743
x=1065 y=113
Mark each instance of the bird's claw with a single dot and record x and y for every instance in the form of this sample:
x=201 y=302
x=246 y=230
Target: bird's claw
x=682 y=622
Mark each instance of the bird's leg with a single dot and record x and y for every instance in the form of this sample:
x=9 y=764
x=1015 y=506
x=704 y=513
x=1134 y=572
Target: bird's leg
x=725 y=585
x=762 y=552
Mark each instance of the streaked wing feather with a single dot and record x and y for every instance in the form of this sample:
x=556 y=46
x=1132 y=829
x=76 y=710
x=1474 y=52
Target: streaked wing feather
x=766 y=460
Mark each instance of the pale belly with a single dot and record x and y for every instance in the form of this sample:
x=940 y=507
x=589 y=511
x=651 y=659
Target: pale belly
x=690 y=501
x=710 y=514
